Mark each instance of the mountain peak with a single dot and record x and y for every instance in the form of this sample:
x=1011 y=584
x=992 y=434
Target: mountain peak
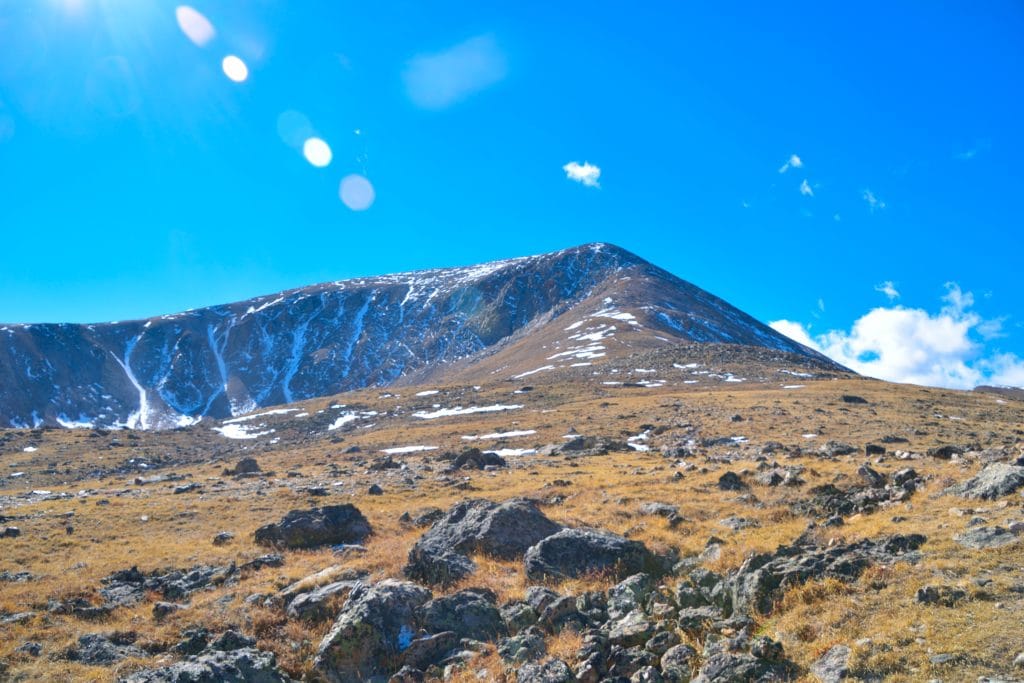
x=582 y=305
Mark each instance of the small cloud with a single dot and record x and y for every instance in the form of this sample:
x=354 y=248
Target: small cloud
x=836 y=217
x=956 y=299
x=977 y=148
x=889 y=289
x=794 y=162
x=439 y=80
x=821 y=305
x=585 y=173
x=745 y=205
x=991 y=329
x=805 y=189
x=873 y=202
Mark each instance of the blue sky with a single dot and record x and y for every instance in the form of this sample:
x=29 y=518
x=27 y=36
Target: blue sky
x=136 y=178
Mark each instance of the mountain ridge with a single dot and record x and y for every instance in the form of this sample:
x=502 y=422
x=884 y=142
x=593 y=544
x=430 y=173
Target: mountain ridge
x=224 y=360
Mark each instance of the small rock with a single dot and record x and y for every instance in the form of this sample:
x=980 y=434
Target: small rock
x=223 y=538
x=833 y=666
x=730 y=481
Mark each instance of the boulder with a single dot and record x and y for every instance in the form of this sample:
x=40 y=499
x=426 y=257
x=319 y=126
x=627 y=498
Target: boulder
x=244 y=466
x=632 y=630
x=727 y=662
x=470 y=613
x=244 y=665
x=730 y=481
x=628 y=595
x=475 y=459
x=103 y=650
x=984 y=537
x=329 y=525
x=994 y=481
x=659 y=509
x=571 y=553
x=833 y=666
x=503 y=530
x=315 y=605
x=760 y=580
x=677 y=662
x=551 y=671
x=375 y=626
x=430 y=649
x=528 y=646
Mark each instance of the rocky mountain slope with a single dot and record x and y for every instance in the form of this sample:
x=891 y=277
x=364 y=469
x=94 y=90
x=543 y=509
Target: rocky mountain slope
x=519 y=316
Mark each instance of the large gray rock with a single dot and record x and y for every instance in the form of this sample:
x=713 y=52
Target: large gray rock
x=628 y=595
x=503 y=530
x=736 y=661
x=528 y=646
x=833 y=666
x=470 y=613
x=430 y=649
x=315 y=604
x=102 y=650
x=551 y=671
x=329 y=525
x=677 y=662
x=574 y=552
x=375 y=626
x=632 y=630
x=762 y=578
x=994 y=481
x=245 y=665
x=984 y=537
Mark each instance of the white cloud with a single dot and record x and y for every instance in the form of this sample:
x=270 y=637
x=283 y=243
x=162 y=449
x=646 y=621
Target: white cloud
x=794 y=162
x=912 y=345
x=873 y=201
x=586 y=173
x=889 y=289
x=439 y=80
x=805 y=189
x=821 y=304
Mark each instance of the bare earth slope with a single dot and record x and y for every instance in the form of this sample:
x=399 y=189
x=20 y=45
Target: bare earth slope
x=316 y=341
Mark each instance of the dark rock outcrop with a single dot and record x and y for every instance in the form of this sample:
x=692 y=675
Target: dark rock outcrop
x=994 y=481
x=503 y=530
x=329 y=525
x=375 y=626
x=574 y=552
x=243 y=665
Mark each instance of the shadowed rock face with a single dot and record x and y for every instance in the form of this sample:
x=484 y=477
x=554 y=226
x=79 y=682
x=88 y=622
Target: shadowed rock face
x=504 y=530
x=576 y=552
x=329 y=525
x=324 y=339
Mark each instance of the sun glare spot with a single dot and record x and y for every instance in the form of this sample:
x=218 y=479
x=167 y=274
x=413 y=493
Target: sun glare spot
x=356 y=192
x=317 y=152
x=235 y=68
x=194 y=25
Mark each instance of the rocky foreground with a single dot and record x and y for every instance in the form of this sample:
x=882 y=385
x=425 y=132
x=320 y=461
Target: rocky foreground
x=669 y=537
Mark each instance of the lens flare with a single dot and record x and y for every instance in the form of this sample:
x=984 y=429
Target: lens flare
x=194 y=25
x=356 y=192
x=317 y=152
x=294 y=128
x=235 y=68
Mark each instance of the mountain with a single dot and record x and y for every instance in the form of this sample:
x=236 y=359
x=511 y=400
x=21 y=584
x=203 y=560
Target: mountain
x=518 y=316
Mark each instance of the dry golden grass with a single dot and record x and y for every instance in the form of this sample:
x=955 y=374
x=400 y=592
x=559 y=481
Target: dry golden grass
x=602 y=491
